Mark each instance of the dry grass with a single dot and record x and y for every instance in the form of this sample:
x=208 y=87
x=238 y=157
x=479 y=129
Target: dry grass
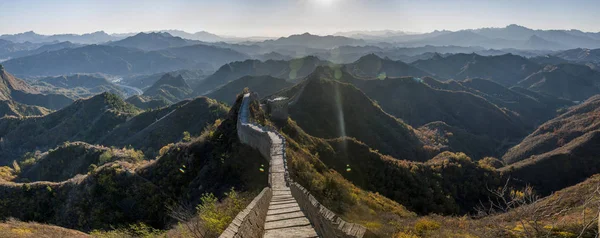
x=14 y=228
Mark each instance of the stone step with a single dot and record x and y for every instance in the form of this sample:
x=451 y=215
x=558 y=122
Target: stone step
x=285 y=216
x=279 y=206
x=281 y=192
x=283 y=210
x=299 y=231
x=299 y=221
x=282 y=202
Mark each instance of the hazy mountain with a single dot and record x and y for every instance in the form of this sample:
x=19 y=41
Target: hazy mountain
x=9 y=48
x=77 y=85
x=590 y=57
x=95 y=59
x=463 y=38
x=273 y=56
x=145 y=102
x=192 y=77
x=15 y=89
x=372 y=66
x=537 y=43
x=211 y=57
x=152 y=41
x=200 y=36
x=314 y=41
x=570 y=81
x=512 y=36
x=372 y=35
x=169 y=88
x=263 y=85
x=88 y=38
x=548 y=59
x=288 y=70
x=43 y=48
x=505 y=69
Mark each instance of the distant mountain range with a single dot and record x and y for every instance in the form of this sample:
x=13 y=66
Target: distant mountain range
x=89 y=38
x=117 y=60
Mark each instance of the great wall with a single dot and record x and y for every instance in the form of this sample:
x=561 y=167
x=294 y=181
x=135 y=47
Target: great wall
x=284 y=208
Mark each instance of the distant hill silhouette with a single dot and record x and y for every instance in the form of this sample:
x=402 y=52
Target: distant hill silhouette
x=152 y=41
x=263 y=85
x=314 y=41
x=116 y=60
x=192 y=77
x=88 y=38
x=505 y=69
x=212 y=56
x=78 y=85
x=569 y=81
x=43 y=48
x=169 y=88
x=289 y=70
x=538 y=43
x=373 y=66
x=145 y=102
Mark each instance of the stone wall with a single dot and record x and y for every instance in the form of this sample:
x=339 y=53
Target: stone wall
x=250 y=222
x=252 y=134
x=325 y=222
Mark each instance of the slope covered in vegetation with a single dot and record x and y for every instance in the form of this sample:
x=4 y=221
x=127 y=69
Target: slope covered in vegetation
x=154 y=193
x=84 y=120
x=327 y=108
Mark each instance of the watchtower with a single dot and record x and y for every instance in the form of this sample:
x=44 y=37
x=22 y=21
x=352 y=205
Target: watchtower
x=278 y=108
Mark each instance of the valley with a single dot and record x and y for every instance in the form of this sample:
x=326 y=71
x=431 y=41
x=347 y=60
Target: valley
x=468 y=132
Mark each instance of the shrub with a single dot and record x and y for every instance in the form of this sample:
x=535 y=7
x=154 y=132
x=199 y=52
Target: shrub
x=425 y=225
x=186 y=136
x=105 y=157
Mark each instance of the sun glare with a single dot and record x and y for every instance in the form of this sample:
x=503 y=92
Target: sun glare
x=325 y=2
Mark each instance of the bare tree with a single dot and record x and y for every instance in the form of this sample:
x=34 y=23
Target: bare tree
x=185 y=214
x=529 y=210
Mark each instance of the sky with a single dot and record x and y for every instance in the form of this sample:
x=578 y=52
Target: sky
x=285 y=17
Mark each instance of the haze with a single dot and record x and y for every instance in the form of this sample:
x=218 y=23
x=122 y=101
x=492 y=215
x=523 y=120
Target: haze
x=282 y=18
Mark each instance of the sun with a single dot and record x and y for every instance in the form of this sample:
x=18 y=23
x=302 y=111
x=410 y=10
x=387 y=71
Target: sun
x=325 y=2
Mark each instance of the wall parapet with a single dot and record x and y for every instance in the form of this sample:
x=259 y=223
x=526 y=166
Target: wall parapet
x=326 y=222
x=250 y=222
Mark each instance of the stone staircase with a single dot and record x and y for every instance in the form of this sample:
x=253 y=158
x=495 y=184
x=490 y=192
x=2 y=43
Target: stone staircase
x=280 y=210
x=285 y=218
